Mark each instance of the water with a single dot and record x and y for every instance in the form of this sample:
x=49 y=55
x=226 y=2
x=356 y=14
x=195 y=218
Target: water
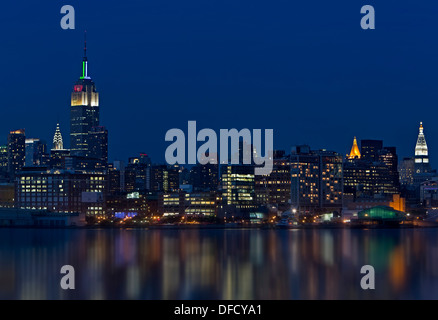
x=218 y=264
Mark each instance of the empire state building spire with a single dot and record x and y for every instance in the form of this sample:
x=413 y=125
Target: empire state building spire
x=85 y=60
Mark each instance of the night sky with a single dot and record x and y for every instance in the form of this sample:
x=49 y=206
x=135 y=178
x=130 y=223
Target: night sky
x=303 y=68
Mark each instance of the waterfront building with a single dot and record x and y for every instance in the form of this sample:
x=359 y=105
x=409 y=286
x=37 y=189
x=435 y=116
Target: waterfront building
x=7 y=195
x=132 y=204
x=188 y=204
x=62 y=191
x=275 y=188
x=381 y=215
x=238 y=191
x=316 y=181
x=39 y=218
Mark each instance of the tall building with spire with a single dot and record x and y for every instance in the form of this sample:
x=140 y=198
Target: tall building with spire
x=84 y=112
x=354 y=153
x=57 y=139
x=421 y=153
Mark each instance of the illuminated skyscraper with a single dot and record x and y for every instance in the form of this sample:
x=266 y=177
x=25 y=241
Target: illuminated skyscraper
x=421 y=153
x=238 y=191
x=316 y=180
x=84 y=112
x=57 y=139
x=374 y=173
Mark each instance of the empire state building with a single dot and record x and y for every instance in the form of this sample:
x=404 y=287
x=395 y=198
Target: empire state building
x=84 y=113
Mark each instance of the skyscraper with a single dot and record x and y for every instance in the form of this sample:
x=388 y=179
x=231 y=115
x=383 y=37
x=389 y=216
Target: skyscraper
x=98 y=143
x=35 y=152
x=238 y=191
x=57 y=139
x=16 y=151
x=421 y=153
x=316 y=180
x=3 y=161
x=375 y=172
x=84 y=112
x=58 y=153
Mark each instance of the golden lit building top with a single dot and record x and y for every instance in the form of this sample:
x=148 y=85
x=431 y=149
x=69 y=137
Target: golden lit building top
x=19 y=131
x=354 y=153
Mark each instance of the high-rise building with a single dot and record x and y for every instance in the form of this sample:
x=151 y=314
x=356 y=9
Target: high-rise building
x=3 y=160
x=84 y=112
x=98 y=137
x=316 y=180
x=114 y=186
x=406 y=171
x=370 y=149
x=58 y=154
x=422 y=164
x=204 y=177
x=58 y=144
x=36 y=152
x=16 y=151
x=137 y=174
x=375 y=172
x=164 y=178
x=238 y=191
x=274 y=188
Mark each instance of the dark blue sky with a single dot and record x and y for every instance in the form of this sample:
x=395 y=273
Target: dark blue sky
x=305 y=69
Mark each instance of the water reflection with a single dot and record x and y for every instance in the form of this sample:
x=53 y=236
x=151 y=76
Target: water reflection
x=219 y=264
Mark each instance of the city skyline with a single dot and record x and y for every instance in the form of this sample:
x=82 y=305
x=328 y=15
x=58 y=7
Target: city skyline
x=142 y=73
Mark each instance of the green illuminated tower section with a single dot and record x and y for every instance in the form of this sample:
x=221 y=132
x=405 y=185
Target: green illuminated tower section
x=84 y=112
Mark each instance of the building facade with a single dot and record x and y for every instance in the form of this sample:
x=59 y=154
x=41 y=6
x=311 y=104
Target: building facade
x=316 y=181
x=61 y=191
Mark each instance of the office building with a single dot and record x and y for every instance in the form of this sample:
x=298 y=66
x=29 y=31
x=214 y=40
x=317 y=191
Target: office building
x=85 y=136
x=36 y=153
x=275 y=188
x=375 y=172
x=16 y=151
x=61 y=191
x=316 y=181
x=238 y=192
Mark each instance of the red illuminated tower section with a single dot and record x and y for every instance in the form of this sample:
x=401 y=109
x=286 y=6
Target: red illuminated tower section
x=84 y=113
